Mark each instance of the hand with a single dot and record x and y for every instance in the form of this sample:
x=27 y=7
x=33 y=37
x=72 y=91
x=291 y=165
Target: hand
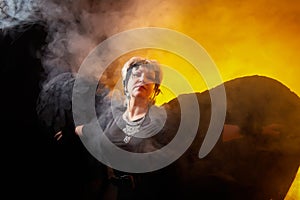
x=272 y=129
x=78 y=130
x=58 y=135
x=231 y=132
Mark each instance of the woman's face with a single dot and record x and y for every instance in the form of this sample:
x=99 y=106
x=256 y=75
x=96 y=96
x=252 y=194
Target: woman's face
x=141 y=82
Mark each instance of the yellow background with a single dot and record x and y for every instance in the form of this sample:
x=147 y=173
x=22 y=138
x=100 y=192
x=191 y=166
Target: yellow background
x=242 y=37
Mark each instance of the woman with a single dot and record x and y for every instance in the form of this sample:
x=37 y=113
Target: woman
x=141 y=81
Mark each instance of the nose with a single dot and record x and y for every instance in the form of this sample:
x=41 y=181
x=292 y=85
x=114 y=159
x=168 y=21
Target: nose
x=143 y=78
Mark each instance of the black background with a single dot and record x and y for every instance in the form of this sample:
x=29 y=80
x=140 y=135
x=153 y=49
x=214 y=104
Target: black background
x=34 y=165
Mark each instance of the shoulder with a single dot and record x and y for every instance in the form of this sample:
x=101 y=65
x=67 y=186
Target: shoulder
x=158 y=114
x=110 y=115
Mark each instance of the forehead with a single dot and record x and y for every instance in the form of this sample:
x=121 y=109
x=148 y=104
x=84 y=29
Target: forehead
x=144 y=68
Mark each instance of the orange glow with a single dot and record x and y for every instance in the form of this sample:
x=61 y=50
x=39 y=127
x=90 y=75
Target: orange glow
x=243 y=38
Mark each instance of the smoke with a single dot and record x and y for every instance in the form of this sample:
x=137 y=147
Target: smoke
x=73 y=27
x=14 y=12
x=70 y=36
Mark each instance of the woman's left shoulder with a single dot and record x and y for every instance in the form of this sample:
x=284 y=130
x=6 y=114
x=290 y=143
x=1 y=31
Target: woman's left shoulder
x=156 y=112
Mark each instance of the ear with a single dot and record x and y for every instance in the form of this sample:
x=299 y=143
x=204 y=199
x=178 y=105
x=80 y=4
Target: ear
x=158 y=91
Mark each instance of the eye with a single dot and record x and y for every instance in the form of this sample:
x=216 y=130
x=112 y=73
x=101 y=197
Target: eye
x=150 y=77
x=136 y=74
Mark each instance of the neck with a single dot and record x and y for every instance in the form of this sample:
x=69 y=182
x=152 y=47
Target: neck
x=137 y=108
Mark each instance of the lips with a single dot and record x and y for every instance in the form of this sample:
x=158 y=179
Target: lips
x=139 y=86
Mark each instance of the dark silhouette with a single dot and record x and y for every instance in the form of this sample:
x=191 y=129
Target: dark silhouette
x=259 y=164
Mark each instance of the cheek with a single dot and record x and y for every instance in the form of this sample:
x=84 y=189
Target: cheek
x=151 y=88
x=129 y=86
